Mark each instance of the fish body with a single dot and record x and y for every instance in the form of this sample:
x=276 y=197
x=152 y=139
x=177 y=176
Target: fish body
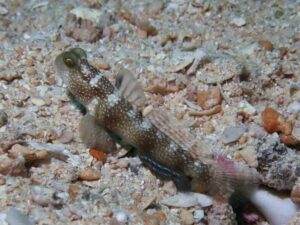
x=165 y=154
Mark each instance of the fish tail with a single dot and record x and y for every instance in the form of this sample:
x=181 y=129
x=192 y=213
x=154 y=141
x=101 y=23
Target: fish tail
x=224 y=176
x=229 y=176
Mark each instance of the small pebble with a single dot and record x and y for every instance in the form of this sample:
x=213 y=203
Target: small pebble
x=3 y=11
x=38 y=101
x=66 y=137
x=256 y=131
x=296 y=132
x=278 y=14
x=31 y=71
x=247 y=107
x=266 y=44
x=239 y=21
x=122 y=163
x=2 y=181
x=294 y=107
x=73 y=190
x=208 y=128
x=248 y=49
x=232 y=134
x=89 y=174
x=3 y=118
x=121 y=216
x=16 y=217
x=28 y=62
x=198 y=215
x=187 y=217
x=42 y=196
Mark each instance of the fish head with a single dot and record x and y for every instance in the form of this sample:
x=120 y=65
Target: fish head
x=81 y=79
x=68 y=63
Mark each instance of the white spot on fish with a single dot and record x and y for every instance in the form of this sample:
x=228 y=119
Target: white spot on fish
x=85 y=70
x=159 y=134
x=173 y=146
x=196 y=163
x=132 y=114
x=146 y=125
x=94 y=81
x=113 y=99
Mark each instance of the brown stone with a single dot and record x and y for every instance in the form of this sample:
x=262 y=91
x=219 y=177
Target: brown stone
x=266 y=44
x=210 y=98
x=89 y=174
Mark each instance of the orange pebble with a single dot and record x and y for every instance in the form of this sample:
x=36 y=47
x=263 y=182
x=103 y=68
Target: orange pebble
x=270 y=120
x=161 y=215
x=274 y=122
x=98 y=154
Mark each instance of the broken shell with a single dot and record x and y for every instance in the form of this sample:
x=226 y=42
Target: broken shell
x=161 y=88
x=232 y=134
x=249 y=155
x=210 y=98
x=15 y=216
x=213 y=73
x=85 y=24
x=208 y=112
x=187 y=200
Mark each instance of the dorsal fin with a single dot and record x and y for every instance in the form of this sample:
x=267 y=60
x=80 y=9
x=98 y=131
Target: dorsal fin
x=170 y=126
x=130 y=88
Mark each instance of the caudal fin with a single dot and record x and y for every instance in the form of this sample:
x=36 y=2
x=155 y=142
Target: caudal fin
x=228 y=176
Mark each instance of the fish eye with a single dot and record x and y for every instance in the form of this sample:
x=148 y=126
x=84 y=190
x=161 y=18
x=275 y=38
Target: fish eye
x=69 y=62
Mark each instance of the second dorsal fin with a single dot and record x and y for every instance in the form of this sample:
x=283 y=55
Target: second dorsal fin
x=130 y=88
x=179 y=134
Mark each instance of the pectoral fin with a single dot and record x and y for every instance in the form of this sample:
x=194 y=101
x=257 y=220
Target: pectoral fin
x=130 y=88
x=94 y=136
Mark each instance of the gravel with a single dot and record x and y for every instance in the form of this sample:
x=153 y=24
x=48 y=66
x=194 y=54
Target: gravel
x=184 y=46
